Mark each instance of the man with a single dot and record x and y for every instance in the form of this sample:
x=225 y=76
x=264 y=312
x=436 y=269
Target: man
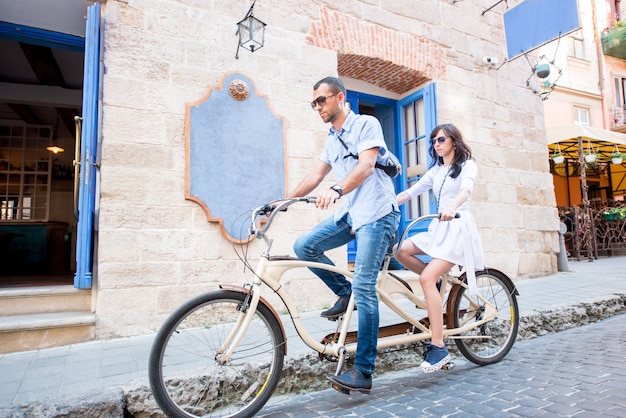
x=370 y=215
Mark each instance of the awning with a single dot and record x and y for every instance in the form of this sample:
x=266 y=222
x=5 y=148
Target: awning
x=573 y=141
x=601 y=141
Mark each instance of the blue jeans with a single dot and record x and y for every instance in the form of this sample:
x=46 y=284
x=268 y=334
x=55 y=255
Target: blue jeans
x=372 y=240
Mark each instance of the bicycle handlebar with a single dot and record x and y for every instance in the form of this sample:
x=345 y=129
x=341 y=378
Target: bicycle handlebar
x=415 y=222
x=271 y=209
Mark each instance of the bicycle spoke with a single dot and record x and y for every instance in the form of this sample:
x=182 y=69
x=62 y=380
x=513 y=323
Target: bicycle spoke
x=488 y=342
x=187 y=374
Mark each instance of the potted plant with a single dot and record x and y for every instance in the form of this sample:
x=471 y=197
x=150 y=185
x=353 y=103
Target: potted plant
x=558 y=158
x=590 y=158
x=613 y=41
x=590 y=155
x=614 y=214
x=617 y=157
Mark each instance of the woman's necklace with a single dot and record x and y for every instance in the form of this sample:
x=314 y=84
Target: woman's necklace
x=441 y=188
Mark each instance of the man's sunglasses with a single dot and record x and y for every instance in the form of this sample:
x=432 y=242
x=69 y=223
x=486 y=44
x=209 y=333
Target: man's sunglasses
x=440 y=139
x=321 y=101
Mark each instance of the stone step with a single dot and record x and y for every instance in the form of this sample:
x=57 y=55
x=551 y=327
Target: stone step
x=45 y=330
x=43 y=299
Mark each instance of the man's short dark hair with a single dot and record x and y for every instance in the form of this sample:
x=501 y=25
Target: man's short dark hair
x=336 y=85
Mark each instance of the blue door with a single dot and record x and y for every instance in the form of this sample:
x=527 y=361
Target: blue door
x=406 y=125
x=385 y=111
x=87 y=149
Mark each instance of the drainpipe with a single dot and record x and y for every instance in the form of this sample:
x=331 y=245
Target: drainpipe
x=606 y=115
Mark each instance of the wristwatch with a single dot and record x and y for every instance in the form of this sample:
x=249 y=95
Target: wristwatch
x=338 y=189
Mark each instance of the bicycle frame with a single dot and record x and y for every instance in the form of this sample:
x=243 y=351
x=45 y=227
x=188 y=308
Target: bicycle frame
x=270 y=270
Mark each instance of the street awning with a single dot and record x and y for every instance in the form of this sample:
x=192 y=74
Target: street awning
x=601 y=141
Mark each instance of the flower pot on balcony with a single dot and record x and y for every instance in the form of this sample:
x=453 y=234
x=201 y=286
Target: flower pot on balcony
x=616 y=160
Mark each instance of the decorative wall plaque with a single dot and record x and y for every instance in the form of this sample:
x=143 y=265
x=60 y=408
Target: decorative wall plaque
x=235 y=155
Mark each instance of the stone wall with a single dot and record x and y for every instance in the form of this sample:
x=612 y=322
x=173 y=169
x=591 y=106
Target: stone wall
x=155 y=249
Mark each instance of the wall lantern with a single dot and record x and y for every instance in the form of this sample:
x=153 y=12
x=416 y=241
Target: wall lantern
x=251 y=32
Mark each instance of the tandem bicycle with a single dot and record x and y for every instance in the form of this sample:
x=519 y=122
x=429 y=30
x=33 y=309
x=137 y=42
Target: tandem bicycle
x=221 y=353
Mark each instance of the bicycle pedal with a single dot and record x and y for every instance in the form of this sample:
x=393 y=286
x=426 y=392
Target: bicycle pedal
x=448 y=366
x=340 y=389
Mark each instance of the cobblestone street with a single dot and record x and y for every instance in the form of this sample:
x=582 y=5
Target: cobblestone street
x=578 y=372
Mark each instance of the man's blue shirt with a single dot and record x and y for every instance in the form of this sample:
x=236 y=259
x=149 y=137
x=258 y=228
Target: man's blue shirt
x=375 y=197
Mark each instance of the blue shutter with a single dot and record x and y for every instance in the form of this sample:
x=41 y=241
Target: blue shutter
x=88 y=147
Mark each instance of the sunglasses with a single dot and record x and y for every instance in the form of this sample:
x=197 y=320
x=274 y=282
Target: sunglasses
x=321 y=101
x=440 y=139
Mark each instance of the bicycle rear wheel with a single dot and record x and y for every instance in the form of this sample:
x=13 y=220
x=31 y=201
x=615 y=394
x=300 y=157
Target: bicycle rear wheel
x=490 y=342
x=186 y=376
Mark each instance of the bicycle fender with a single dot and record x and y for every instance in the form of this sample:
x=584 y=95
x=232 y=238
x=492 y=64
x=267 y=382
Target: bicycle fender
x=241 y=289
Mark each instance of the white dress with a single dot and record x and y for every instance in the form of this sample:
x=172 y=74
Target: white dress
x=456 y=241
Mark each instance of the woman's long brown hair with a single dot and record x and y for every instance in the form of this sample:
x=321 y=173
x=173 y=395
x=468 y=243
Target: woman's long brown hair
x=462 y=152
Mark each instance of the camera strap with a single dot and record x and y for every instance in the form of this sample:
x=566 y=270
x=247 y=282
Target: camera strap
x=356 y=157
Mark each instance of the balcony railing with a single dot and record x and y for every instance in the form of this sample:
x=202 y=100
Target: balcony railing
x=614 y=41
x=618 y=115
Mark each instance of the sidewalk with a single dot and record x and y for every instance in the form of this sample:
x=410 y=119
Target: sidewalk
x=99 y=367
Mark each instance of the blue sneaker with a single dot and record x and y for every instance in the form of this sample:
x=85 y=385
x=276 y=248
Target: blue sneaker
x=434 y=358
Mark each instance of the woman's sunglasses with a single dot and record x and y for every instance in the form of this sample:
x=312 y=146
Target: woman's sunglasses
x=321 y=100
x=440 y=139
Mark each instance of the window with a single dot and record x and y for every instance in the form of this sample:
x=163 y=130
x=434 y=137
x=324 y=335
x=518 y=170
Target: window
x=619 y=99
x=581 y=116
x=415 y=153
x=25 y=168
x=577 y=48
x=620 y=10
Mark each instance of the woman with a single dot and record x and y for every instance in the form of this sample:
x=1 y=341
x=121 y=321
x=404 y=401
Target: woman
x=449 y=240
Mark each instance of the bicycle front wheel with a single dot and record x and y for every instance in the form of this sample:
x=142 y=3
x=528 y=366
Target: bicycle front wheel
x=490 y=342
x=187 y=374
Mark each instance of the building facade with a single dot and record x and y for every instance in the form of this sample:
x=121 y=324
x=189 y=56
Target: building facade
x=414 y=64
